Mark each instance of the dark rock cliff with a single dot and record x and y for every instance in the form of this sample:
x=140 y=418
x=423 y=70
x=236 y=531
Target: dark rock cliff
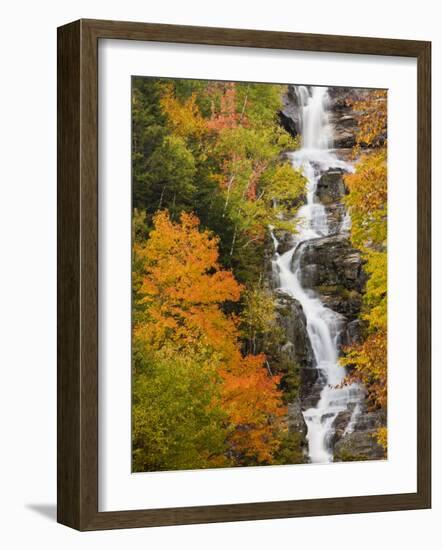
x=297 y=347
x=334 y=270
x=360 y=442
x=290 y=113
x=343 y=115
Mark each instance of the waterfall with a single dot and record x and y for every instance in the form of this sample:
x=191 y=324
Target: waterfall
x=323 y=324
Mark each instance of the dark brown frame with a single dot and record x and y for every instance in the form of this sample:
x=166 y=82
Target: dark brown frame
x=77 y=462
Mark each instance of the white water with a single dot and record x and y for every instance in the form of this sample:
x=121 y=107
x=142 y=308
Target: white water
x=323 y=324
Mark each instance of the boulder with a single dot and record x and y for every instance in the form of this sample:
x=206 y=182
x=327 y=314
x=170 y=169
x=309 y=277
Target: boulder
x=312 y=385
x=353 y=333
x=330 y=188
x=291 y=318
x=358 y=445
x=297 y=347
x=343 y=117
x=330 y=191
x=331 y=261
x=333 y=269
x=347 y=303
x=340 y=424
x=295 y=419
x=343 y=138
x=371 y=420
x=285 y=240
x=335 y=217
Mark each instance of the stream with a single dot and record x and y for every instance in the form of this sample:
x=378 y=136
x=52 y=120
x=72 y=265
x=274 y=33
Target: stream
x=324 y=325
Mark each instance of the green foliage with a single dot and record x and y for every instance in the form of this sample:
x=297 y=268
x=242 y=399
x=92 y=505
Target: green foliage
x=176 y=425
x=148 y=132
x=257 y=316
x=185 y=88
x=215 y=148
x=139 y=226
x=171 y=176
x=261 y=103
x=290 y=451
x=283 y=191
x=291 y=379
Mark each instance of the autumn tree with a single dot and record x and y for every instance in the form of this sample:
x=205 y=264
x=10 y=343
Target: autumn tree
x=258 y=189
x=180 y=289
x=258 y=316
x=367 y=201
x=255 y=410
x=183 y=286
x=177 y=419
x=221 y=152
x=183 y=116
x=372 y=121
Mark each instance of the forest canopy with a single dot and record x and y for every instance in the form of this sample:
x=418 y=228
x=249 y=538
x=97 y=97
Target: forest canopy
x=209 y=178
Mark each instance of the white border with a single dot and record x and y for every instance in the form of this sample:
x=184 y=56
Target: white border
x=118 y=488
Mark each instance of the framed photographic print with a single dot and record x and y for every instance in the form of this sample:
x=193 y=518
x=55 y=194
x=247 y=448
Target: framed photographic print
x=243 y=275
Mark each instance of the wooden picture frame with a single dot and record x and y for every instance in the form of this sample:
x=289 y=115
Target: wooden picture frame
x=78 y=274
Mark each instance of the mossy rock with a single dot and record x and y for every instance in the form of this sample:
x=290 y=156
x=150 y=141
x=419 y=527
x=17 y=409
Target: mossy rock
x=358 y=446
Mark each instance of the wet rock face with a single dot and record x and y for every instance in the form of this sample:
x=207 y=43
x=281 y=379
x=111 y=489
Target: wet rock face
x=360 y=443
x=331 y=267
x=297 y=348
x=311 y=389
x=347 y=304
x=290 y=113
x=358 y=446
x=291 y=319
x=343 y=117
x=335 y=217
x=329 y=261
x=285 y=241
x=330 y=188
x=296 y=422
x=352 y=334
x=340 y=424
x=330 y=192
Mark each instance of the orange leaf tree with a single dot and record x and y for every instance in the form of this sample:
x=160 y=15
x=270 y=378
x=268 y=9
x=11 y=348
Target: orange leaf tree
x=255 y=409
x=179 y=298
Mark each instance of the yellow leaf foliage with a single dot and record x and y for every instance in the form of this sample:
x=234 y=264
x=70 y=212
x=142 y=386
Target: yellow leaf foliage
x=184 y=117
x=367 y=199
x=372 y=121
x=367 y=202
x=369 y=362
x=382 y=437
x=180 y=290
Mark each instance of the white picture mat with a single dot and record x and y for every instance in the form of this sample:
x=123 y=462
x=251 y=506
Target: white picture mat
x=119 y=489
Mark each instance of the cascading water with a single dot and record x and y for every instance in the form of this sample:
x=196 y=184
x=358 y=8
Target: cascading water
x=323 y=324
